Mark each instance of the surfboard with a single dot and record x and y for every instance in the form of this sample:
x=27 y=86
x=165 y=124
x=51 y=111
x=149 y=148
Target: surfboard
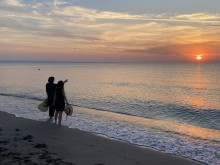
x=68 y=110
x=43 y=106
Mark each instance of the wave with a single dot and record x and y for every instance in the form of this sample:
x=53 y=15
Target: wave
x=147 y=109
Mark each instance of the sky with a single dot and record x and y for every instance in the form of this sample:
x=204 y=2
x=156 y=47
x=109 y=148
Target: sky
x=110 y=31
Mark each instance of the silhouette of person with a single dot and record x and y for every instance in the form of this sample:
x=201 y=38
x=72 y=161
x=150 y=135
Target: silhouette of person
x=50 y=90
x=59 y=101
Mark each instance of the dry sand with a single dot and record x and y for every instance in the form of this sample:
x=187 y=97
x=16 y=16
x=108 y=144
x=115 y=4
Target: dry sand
x=24 y=141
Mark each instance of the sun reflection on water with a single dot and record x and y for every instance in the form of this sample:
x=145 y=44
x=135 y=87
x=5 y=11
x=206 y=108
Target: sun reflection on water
x=198 y=82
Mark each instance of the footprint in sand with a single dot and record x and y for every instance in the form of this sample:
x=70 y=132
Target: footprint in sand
x=28 y=137
x=43 y=145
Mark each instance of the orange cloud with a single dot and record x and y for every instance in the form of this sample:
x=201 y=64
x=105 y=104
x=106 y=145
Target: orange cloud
x=77 y=33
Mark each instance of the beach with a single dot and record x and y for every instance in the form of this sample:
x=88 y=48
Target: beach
x=142 y=78
x=27 y=141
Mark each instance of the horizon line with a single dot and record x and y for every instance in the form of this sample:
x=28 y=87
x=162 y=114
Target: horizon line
x=47 y=61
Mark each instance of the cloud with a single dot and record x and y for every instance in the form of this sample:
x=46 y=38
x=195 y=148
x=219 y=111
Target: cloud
x=179 y=52
x=95 y=15
x=19 y=14
x=199 y=16
x=57 y=3
x=14 y=2
x=57 y=24
x=58 y=11
x=213 y=25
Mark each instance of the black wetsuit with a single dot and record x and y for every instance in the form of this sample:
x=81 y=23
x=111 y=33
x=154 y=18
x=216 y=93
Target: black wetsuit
x=50 y=89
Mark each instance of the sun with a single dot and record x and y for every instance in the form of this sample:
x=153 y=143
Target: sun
x=198 y=57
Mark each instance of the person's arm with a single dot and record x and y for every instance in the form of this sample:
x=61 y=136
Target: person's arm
x=54 y=98
x=47 y=91
x=65 y=97
x=65 y=81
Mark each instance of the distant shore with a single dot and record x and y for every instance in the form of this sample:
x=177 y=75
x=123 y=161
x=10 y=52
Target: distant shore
x=32 y=142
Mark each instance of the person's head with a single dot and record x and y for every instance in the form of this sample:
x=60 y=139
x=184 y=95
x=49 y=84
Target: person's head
x=60 y=85
x=51 y=79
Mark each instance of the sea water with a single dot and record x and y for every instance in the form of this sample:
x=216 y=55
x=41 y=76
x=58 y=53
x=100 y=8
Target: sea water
x=171 y=107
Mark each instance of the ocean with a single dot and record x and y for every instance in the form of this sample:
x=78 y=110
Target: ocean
x=171 y=107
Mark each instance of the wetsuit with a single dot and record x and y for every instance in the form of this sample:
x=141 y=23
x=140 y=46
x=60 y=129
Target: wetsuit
x=50 y=89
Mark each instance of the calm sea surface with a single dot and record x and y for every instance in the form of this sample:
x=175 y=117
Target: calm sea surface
x=170 y=107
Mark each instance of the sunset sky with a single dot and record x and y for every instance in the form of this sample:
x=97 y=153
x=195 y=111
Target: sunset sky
x=110 y=31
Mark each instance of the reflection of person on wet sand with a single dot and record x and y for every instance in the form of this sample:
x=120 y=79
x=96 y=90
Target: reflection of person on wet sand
x=59 y=101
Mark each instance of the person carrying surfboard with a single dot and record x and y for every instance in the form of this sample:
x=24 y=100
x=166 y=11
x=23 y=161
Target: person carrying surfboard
x=50 y=90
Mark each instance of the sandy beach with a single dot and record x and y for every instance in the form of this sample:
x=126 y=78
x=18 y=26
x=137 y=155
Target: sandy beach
x=24 y=141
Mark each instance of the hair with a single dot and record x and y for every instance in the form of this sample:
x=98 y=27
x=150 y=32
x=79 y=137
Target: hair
x=51 y=79
x=60 y=85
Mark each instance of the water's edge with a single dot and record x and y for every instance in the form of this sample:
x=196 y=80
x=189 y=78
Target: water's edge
x=122 y=127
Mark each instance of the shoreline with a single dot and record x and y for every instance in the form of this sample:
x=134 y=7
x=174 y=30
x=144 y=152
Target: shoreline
x=35 y=142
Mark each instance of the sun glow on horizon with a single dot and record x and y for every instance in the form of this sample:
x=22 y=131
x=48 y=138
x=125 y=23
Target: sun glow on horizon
x=199 y=57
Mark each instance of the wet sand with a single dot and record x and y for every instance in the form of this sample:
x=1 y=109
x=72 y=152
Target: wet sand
x=24 y=141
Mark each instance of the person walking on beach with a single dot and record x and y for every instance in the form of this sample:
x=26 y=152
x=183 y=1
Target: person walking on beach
x=59 y=101
x=50 y=89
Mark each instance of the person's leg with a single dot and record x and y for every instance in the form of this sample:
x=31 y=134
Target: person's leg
x=51 y=111
x=60 y=117
x=56 y=114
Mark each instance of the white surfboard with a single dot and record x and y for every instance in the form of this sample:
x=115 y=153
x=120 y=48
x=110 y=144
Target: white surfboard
x=43 y=106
